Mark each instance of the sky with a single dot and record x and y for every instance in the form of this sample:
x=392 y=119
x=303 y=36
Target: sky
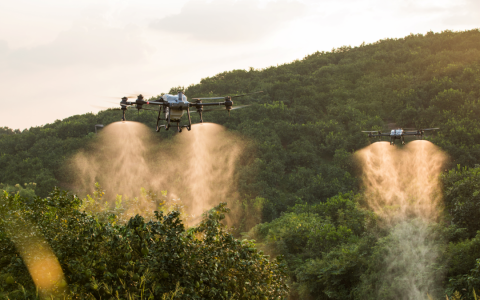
x=60 y=58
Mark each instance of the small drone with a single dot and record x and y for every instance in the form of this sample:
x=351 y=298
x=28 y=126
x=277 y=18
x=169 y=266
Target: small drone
x=399 y=134
x=174 y=107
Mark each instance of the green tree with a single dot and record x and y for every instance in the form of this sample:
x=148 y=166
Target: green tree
x=105 y=259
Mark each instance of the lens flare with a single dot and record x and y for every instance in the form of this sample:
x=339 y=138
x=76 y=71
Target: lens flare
x=38 y=256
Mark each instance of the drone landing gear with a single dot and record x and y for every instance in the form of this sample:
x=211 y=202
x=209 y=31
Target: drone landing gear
x=169 y=121
x=189 y=126
x=159 y=119
x=166 y=126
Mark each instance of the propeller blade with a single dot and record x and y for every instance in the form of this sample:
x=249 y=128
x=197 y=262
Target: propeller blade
x=224 y=108
x=117 y=103
x=217 y=98
x=418 y=129
x=107 y=108
x=246 y=94
x=135 y=95
x=238 y=107
x=209 y=98
x=213 y=109
x=129 y=96
x=371 y=131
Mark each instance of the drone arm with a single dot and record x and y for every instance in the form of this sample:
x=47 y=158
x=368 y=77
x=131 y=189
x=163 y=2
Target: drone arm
x=208 y=104
x=412 y=133
x=155 y=103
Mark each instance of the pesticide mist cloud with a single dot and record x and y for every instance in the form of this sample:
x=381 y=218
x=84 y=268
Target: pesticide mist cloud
x=402 y=186
x=411 y=253
x=197 y=167
x=402 y=183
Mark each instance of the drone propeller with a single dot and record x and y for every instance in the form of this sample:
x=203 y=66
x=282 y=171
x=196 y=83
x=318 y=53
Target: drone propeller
x=110 y=108
x=420 y=128
x=209 y=98
x=371 y=131
x=246 y=94
x=112 y=102
x=218 y=98
x=135 y=95
x=128 y=108
x=129 y=97
x=224 y=108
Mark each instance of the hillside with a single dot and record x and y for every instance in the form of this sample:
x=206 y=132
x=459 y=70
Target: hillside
x=310 y=110
x=304 y=130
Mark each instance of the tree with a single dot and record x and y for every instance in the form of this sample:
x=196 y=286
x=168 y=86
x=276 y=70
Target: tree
x=151 y=258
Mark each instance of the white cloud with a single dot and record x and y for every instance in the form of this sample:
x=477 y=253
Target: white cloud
x=464 y=14
x=230 y=21
x=86 y=43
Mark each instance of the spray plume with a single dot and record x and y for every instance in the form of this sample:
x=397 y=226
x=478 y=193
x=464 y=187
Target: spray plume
x=197 y=167
x=402 y=186
x=402 y=183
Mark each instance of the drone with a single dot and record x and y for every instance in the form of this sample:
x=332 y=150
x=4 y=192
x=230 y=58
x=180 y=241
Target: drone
x=399 y=134
x=175 y=106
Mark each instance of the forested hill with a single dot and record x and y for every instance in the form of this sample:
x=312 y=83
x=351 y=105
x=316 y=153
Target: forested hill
x=304 y=129
x=312 y=110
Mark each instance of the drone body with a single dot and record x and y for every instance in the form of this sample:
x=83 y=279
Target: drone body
x=171 y=108
x=398 y=134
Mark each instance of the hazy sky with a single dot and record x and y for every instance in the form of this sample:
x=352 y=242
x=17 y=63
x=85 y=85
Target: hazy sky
x=60 y=57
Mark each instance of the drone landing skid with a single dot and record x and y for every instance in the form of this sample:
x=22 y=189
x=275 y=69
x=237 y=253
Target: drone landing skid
x=179 y=127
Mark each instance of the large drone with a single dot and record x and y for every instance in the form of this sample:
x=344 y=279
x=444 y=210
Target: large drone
x=174 y=107
x=399 y=134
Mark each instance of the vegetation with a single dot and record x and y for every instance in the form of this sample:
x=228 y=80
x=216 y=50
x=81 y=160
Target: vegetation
x=136 y=260
x=298 y=167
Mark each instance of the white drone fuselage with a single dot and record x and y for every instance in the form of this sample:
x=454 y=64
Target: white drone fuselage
x=178 y=106
x=396 y=133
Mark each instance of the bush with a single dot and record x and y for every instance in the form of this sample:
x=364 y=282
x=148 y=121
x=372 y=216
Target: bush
x=102 y=259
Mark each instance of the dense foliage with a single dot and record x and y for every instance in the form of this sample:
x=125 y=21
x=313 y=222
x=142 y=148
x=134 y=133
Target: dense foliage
x=137 y=260
x=323 y=245
x=298 y=167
